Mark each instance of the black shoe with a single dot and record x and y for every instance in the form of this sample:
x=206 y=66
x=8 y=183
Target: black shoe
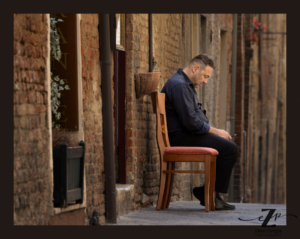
x=199 y=194
x=220 y=204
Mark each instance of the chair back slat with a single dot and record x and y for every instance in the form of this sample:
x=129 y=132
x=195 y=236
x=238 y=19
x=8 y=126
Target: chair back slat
x=158 y=100
x=161 y=103
x=162 y=111
x=164 y=130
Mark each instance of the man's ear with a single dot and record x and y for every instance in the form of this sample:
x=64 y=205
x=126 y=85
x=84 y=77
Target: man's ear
x=195 y=68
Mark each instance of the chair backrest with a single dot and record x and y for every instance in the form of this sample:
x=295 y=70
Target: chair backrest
x=158 y=102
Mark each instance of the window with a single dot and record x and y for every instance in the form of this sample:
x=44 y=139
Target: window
x=117 y=31
x=68 y=68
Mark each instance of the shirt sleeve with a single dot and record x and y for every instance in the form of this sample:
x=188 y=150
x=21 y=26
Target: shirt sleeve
x=184 y=106
x=204 y=130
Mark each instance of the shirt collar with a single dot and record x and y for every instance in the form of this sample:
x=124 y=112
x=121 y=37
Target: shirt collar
x=187 y=79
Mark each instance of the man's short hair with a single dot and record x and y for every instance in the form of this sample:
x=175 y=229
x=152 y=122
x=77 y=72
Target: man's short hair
x=203 y=60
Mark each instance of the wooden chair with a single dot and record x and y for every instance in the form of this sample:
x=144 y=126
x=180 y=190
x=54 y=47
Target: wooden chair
x=170 y=155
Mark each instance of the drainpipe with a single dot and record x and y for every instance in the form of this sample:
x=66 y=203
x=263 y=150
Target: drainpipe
x=244 y=156
x=107 y=114
x=233 y=90
x=150 y=42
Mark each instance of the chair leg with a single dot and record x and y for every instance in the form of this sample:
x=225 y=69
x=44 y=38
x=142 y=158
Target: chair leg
x=162 y=186
x=212 y=184
x=169 y=187
x=170 y=192
x=207 y=182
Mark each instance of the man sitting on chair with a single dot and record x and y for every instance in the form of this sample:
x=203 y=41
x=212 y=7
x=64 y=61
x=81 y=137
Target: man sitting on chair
x=188 y=124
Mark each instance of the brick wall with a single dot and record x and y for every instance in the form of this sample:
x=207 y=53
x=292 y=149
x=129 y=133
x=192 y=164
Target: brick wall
x=33 y=181
x=141 y=149
x=92 y=116
x=33 y=176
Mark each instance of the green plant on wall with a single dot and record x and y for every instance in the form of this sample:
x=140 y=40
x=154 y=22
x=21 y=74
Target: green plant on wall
x=57 y=85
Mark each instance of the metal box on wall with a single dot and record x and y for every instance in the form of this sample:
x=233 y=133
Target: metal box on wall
x=68 y=172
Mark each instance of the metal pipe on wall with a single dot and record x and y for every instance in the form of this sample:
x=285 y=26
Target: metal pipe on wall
x=150 y=42
x=233 y=90
x=107 y=114
x=245 y=163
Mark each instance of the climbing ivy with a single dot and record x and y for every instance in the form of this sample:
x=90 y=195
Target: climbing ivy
x=57 y=85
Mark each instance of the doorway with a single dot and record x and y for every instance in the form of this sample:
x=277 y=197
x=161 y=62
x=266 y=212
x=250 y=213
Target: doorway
x=119 y=116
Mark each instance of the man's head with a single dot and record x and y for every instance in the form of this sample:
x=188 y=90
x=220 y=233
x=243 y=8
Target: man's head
x=199 y=69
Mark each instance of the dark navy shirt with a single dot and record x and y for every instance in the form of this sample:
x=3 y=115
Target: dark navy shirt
x=183 y=110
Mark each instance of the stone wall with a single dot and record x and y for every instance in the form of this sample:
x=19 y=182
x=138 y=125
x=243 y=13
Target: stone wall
x=210 y=92
x=33 y=181
x=259 y=173
x=266 y=133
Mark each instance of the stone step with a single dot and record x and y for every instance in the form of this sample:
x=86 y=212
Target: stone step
x=124 y=198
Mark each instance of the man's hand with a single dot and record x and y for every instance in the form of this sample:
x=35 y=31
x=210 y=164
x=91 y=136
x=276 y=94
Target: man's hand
x=219 y=132
x=224 y=134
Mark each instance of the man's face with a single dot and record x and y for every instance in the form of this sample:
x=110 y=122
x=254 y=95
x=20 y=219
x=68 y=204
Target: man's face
x=200 y=77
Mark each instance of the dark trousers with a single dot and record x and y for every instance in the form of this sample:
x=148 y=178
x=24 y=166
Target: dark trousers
x=228 y=153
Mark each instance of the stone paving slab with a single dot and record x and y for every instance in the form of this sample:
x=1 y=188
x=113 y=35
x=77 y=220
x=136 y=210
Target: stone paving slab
x=192 y=213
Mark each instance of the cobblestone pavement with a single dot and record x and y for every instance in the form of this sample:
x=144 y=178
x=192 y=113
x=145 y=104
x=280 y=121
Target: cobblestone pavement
x=192 y=213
